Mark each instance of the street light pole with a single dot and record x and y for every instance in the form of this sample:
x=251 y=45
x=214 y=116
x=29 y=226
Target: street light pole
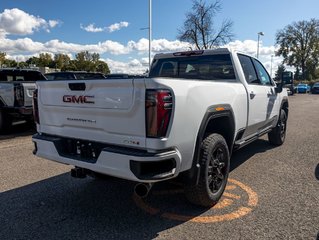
x=150 y=36
x=259 y=34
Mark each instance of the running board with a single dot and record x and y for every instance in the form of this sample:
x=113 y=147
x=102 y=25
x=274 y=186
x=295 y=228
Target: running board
x=241 y=143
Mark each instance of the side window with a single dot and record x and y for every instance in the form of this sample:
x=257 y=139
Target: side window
x=262 y=73
x=249 y=70
x=169 y=69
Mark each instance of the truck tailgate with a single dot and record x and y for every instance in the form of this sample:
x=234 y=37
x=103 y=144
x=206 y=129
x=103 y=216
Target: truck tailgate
x=109 y=111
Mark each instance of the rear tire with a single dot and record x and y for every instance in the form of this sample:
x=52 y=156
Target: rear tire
x=5 y=122
x=278 y=134
x=214 y=169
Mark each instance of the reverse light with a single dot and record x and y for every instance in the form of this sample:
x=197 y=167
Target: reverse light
x=158 y=111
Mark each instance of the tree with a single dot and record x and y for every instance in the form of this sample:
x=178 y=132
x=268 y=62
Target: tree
x=2 y=58
x=33 y=61
x=45 y=60
x=199 y=29
x=61 y=61
x=281 y=68
x=299 y=46
x=102 y=67
x=90 y=62
x=10 y=63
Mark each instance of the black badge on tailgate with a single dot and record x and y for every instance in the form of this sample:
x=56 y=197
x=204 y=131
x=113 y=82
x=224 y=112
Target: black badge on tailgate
x=77 y=86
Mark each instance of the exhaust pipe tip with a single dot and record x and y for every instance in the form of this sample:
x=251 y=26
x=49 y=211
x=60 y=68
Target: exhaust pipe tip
x=142 y=189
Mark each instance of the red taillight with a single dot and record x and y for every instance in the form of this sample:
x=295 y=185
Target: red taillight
x=158 y=105
x=35 y=107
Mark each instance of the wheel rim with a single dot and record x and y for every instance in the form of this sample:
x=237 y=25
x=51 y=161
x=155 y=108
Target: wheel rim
x=217 y=170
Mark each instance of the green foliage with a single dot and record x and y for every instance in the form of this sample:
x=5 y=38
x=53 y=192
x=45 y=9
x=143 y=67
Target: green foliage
x=61 y=61
x=10 y=63
x=2 y=58
x=281 y=68
x=84 y=61
x=299 y=46
x=199 y=29
x=45 y=60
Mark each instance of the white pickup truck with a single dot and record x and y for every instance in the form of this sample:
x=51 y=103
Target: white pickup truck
x=185 y=120
x=16 y=90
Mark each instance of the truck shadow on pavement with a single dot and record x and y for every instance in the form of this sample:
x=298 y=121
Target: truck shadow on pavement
x=65 y=208
x=242 y=155
x=61 y=207
x=18 y=130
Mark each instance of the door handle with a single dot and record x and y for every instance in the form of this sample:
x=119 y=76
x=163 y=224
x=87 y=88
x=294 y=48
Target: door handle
x=252 y=94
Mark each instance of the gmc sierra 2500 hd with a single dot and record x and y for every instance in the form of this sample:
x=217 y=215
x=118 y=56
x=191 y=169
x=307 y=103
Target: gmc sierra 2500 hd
x=185 y=119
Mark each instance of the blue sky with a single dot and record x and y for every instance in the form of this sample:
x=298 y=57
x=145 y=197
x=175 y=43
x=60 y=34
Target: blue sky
x=28 y=27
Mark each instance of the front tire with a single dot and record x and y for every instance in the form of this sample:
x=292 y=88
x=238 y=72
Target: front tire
x=214 y=169
x=278 y=134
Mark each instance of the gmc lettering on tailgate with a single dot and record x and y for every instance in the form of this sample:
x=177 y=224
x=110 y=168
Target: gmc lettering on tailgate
x=78 y=99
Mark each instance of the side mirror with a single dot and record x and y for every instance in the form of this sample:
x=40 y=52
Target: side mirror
x=278 y=88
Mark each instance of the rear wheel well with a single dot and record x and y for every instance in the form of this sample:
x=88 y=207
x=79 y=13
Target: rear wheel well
x=224 y=126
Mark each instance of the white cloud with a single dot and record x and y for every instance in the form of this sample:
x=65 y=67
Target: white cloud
x=53 y=23
x=18 y=22
x=18 y=48
x=134 y=66
x=265 y=53
x=112 y=28
x=27 y=45
x=117 y=26
x=160 y=45
x=91 y=28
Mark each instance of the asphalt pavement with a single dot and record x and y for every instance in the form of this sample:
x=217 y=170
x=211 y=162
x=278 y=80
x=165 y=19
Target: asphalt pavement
x=273 y=193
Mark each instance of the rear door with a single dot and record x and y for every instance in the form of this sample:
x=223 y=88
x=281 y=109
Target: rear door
x=261 y=96
x=110 y=111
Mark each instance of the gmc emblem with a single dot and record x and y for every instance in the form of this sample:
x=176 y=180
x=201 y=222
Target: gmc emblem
x=78 y=99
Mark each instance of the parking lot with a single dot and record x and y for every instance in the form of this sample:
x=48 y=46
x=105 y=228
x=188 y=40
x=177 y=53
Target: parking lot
x=273 y=193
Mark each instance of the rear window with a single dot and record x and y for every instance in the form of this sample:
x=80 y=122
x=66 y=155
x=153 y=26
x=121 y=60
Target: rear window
x=211 y=67
x=16 y=75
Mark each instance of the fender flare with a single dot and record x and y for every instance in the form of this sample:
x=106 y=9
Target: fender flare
x=213 y=112
x=284 y=102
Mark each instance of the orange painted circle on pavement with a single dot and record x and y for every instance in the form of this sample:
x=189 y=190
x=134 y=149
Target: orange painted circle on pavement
x=235 y=191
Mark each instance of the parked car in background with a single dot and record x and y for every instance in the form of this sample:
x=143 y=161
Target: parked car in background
x=315 y=88
x=303 y=88
x=16 y=90
x=287 y=77
x=74 y=75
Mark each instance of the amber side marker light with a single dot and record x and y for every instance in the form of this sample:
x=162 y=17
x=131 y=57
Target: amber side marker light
x=218 y=109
